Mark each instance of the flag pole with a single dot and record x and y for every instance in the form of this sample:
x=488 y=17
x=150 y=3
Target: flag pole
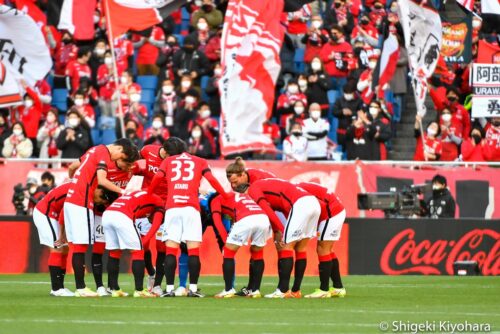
x=115 y=70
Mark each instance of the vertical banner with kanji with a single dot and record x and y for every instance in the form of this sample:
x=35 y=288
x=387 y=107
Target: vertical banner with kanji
x=486 y=90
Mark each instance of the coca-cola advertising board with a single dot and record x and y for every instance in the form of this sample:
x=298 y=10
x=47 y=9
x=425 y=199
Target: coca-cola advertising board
x=423 y=246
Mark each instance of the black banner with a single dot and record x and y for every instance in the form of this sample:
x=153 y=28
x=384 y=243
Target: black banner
x=422 y=246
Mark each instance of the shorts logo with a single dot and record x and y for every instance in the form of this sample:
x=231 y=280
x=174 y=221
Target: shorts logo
x=297 y=234
x=238 y=238
x=334 y=234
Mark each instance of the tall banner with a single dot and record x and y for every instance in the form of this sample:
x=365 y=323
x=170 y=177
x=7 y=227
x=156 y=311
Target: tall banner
x=10 y=94
x=486 y=90
x=251 y=43
x=488 y=53
x=78 y=18
x=22 y=46
x=457 y=40
x=423 y=37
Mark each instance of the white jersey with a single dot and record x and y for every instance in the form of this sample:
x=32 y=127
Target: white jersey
x=316 y=148
x=295 y=148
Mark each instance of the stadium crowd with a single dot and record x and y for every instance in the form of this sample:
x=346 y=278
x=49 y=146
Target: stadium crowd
x=325 y=106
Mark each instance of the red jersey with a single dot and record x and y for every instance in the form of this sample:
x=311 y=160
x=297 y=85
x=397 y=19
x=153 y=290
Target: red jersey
x=137 y=204
x=433 y=146
x=30 y=117
x=84 y=182
x=151 y=155
x=65 y=53
x=330 y=203
x=148 y=52
x=106 y=81
x=75 y=71
x=52 y=204
x=119 y=177
x=123 y=49
x=337 y=66
x=183 y=175
x=255 y=174
x=491 y=147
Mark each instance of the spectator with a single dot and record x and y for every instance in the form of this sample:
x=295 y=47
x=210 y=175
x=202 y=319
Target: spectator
x=78 y=69
x=339 y=14
x=166 y=102
x=492 y=140
x=17 y=145
x=185 y=86
x=345 y=108
x=97 y=59
x=108 y=103
x=213 y=49
x=148 y=50
x=44 y=91
x=442 y=203
x=461 y=117
x=190 y=61
x=335 y=57
x=314 y=39
x=450 y=138
x=74 y=140
x=316 y=130
x=85 y=110
x=297 y=25
x=365 y=80
x=473 y=148
x=198 y=143
x=318 y=85
x=201 y=34
x=157 y=133
x=131 y=133
x=165 y=59
x=185 y=114
x=366 y=30
x=212 y=90
x=381 y=125
x=360 y=138
x=29 y=114
x=295 y=145
x=298 y=116
x=378 y=14
x=212 y=15
x=136 y=111
x=272 y=131
x=47 y=137
x=126 y=86
x=66 y=52
x=399 y=82
x=209 y=125
x=287 y=99
x=429 y=148
x=124 y=52
x=4 y=130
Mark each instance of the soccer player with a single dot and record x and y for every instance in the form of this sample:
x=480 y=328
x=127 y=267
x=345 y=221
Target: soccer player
x=251 y=223
x=302 y=210
x=183 y=173
x=49 y=220
x=79 y=204
x=121 y=233
x=329 y=228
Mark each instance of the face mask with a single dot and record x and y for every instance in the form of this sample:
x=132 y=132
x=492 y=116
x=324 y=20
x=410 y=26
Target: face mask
x=66 y=40
x=135 y=97
x=205 y=113
x=167 y=89
x=316 y=24
x=297 y=133
x=108 y=60
x=394 y=9
x=293 y=89
x=316 y=65
x=378 y=7
x=196 y=134
x=452 y=99
x=372 y=65
x=17 y=132
x=446 y=117
x=431 y=132
x=303 y=83
x=202 y=25
x=28 y=103
x=124 y=80
x=51 y=118
x=190 y=100
x=73 y=122
x=436 y=187
x=100 y=51
x=349 y=97
x=78 y=102
x=299 y=110
x=335 y=38
x=365 y=22
x=198 y=3
x=495 y=123
x=218 y=71
x=337 y=5
x=188 y=49
x=315 y=114
x=476 y=24
x=477 y=138
x=157 y=124
x=96 y=19
x=171 y=43
x=373 y=112
x=186 y=84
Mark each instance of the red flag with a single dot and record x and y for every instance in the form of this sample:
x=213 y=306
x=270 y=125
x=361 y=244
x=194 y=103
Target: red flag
x=78 y=18
x=125 y=15
x=388 y=60
x=488 y=53
x=468 y=4
x=251 y=44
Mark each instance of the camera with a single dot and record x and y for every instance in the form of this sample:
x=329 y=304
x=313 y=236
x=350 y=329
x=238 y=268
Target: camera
x=18 y=199
x=395 y=204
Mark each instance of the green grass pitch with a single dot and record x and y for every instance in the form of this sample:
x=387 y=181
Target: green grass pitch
x=26 y=307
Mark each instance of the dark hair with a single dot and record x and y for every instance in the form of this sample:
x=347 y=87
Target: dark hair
x=129 y=149
x=80 y=92
x=349 y=88
x=439 y=179
x=453 y=89
x=438 y=130
x=174 y=146
x=82 y=51
x=73 y=110
x=337 y=27
x=48 y=176
x=108 y=195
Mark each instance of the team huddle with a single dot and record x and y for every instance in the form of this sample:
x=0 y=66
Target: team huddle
x=121 y=199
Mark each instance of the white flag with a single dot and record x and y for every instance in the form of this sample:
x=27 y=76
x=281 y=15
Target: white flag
x=10 y=92
x=22 y=46
x=423 y=33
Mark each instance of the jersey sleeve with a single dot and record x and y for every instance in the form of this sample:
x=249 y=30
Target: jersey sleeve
x=216 y=209
x=260 y=199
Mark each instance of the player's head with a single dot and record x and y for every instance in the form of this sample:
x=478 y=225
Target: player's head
x=236 y=173
x=102 y=196
x=174 y=146
x=124 y=165
x=242 y=188
x=124 y=149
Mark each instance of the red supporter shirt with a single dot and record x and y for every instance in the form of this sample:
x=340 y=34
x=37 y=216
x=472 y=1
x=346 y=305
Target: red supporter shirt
x=106 y=81
x=84 y=182
x=337 y=66
x=52 y=204
x=433 y=145
x=123 y=49
x=183 y=175
x=276 y=195
x=151 y=155
x=148 y=53
x=491 y=147
x=65 y=54
x=75 y=71
x=330 y=203
x=137 y=204
x=30 y=117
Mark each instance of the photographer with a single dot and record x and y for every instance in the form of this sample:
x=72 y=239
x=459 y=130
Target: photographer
x=441 y=204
